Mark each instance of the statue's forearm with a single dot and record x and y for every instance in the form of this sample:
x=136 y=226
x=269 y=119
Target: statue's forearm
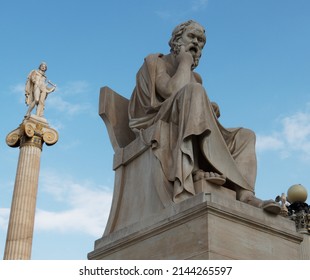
x=181 y=78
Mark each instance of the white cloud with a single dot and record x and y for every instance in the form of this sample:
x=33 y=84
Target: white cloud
x=74 y=88
x=297 y=129
x=87 y=206
x=268 y=143
x=67 y=99
x=57 y=102
x=19 y=91
x=4 y=218
x=56 y=123
x=18 y=88
x=292 y=137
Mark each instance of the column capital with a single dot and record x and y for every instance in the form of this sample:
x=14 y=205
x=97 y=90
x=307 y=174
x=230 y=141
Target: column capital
x=33 y=131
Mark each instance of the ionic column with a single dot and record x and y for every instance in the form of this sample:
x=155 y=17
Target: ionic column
x=29 y=136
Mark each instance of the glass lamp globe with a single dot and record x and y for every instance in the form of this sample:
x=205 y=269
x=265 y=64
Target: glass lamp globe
x=297 y=193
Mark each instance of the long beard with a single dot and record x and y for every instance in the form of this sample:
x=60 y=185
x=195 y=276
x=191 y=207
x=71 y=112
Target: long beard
x=196 y=55
x=196 y=59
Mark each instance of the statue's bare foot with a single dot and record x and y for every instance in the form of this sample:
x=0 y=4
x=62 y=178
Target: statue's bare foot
x=271 y=206
x=268 y=205
x=211 y=177
x=198 y=175
x=215 y=178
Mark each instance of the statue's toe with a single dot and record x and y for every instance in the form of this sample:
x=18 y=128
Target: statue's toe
x=271 y=206
x=215 y=178
x=198 y=175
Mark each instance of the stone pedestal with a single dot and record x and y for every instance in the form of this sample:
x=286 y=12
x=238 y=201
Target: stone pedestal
x=211 y=225
x=305 y=247
x=145 y=223
x=29 y=136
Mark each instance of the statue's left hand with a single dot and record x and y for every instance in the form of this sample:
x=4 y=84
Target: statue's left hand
x=51 y=89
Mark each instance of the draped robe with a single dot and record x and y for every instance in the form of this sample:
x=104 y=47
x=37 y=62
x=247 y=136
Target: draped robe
x=193 y=126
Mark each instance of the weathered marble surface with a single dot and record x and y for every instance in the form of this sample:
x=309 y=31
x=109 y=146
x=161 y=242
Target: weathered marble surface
x=210 y=226
x=169 y=145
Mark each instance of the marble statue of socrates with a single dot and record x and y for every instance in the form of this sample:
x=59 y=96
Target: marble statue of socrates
x=197 y=146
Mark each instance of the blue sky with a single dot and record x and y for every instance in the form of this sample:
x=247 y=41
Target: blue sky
x=255 y=65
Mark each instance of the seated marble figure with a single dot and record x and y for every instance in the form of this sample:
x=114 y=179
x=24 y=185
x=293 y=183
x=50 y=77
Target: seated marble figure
x=199 y=147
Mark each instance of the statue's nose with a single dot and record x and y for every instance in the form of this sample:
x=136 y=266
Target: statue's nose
x=195 y=41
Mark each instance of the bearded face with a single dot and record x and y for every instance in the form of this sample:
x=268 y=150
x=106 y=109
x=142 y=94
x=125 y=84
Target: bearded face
x=193 y=39
x=195 y=51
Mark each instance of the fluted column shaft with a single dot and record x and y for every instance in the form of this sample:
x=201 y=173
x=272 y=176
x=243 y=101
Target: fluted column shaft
x=29 y=136
x=21 y=223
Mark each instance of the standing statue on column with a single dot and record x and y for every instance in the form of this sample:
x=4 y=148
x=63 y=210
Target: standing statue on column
x=29 y=136
x=36 y=90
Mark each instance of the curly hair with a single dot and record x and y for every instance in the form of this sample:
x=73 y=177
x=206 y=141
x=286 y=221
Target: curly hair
x=178 y=32
x=43 y=63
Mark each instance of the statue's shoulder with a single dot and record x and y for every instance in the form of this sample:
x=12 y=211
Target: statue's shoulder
x=151 y=61
x=197 y=77
x=153 y=56
x=33 y=72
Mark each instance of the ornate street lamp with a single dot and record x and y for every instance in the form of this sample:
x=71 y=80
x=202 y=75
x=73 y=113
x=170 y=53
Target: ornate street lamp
x=294 y=206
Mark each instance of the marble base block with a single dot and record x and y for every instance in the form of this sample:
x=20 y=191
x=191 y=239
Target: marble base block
x=211 y=225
